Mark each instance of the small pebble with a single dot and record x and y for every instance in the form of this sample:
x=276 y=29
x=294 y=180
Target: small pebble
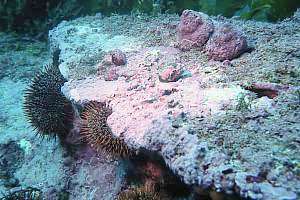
x=118 y=57
x=111 y=75
x=171 y=74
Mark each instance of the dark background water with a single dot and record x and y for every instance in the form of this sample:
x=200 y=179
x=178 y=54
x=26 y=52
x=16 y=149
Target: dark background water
x=36 y=17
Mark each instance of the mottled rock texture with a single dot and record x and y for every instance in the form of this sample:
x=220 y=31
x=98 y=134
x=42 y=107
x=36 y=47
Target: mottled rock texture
x=220 y=41
x=226 y=43
x=209 y=130
x=118 y=57
x=171 y=74
x=194 y=29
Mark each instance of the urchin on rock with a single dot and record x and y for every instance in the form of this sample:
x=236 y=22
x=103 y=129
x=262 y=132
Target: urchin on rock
x=47 y=109
x=142 y=193
x=97 y=132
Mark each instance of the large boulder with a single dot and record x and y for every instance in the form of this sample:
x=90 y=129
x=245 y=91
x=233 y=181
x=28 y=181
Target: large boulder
x=211 y=132
x=220 y=41
x=226 y=43
x=194 y=30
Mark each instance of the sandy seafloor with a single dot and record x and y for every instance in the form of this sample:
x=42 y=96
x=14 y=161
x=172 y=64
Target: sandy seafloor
x=27 y=160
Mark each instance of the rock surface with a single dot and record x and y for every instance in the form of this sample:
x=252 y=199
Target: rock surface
x=118 y=57
x=226 y=43
x=80 y=55
x=220 y=41
x=95 y=176
x=194 y=29
x=171 y=74
x=209 y=130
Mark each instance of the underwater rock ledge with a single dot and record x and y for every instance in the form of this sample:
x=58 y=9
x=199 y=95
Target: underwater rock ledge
x=210 y=131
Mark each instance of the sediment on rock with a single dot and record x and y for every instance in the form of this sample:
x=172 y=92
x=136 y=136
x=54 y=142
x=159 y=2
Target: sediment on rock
x=192 y=111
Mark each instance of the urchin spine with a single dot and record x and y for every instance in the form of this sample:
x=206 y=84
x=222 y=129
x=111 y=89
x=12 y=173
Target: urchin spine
x=46 y=108
x=97 y=133
x=140 y=193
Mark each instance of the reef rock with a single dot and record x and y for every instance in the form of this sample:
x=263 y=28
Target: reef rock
x=170 y=75
x=226 y=43
x=205 y=126
x=194 y=30
x=118 y=57
x=80 y=56
x=221 y=41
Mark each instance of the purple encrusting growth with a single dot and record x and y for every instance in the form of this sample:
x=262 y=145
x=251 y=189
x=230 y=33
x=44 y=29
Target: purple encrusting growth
x=220 y=41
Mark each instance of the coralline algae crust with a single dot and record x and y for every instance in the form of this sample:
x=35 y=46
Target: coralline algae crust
x=210 y=131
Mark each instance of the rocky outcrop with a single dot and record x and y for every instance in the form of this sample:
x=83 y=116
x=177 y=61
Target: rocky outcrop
x=220 y=41
x=194 y=29
x=211 y=132
x=226 y=43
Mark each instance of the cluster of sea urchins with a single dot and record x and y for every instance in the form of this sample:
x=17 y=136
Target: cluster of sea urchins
x=97 y=133
x=47 y=109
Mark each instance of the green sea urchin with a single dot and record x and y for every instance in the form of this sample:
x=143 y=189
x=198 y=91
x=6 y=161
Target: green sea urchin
x=97 y=132
x=47 y=109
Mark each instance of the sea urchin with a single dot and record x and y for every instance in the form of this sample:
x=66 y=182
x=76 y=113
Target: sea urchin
x=97 y=132
x=47 y=109
x=139 y=193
